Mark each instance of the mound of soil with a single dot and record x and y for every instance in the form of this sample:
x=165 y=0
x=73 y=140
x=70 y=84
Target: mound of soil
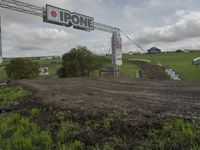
x=151 y=71
x=144 y=101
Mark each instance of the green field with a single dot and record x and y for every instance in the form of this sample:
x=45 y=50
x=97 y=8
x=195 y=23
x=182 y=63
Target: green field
x=53 y=67
x=180 y=62
x=3 y=74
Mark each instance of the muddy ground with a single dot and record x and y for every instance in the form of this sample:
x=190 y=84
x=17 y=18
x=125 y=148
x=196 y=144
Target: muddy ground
x=144 y=101
x=134 y=106
x=151 y=71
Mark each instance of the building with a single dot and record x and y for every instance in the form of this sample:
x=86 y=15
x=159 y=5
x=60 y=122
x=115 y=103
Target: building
x=154 y=50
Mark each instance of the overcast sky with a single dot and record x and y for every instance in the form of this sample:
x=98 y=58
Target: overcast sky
x=166 y=24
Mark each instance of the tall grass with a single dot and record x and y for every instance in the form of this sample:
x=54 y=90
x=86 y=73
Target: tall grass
x=176 y=135
x=17 y=133
x=65 y=137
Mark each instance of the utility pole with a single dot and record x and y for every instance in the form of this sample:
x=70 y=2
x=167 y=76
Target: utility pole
x=1 y=57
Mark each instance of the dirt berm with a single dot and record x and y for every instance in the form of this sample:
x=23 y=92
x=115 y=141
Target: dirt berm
x=143 y=100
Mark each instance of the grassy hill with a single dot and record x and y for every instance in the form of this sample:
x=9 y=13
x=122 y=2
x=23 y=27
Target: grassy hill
x=53 y=67
x=180 y=62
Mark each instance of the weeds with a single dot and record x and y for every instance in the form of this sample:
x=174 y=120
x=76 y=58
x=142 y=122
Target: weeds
x=176 y=135
x=16 y=132
x=10 y=95
x=104 y=146
x=91 y=125
x=65 y=137
x=35 y=112
x=115 y=115
x=66 y=131
x=76 y=145
x=60 y=115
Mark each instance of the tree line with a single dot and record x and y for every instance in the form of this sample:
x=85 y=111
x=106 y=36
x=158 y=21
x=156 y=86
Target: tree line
x=77 y=62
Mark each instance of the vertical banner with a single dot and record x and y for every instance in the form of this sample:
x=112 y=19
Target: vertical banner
x=116 y=49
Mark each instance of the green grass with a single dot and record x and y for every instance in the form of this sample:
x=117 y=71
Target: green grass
x=180 y=62
x=65 y=137
x=18 y=133
x=10 y=95
x=129 y=69
x=176 y=135
x=35 y=112
x=3 y=74
x=53 y=67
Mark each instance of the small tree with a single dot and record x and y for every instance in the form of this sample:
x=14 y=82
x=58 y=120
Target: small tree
x=78 y=62
x=22 y=68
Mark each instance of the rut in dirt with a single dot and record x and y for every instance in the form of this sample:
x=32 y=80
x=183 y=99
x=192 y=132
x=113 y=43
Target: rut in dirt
x=151 y=71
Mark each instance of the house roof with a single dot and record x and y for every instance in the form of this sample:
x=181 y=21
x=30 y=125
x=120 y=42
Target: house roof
x=154 y=48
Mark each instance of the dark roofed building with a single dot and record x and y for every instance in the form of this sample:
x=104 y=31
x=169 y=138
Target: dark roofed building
x=154 y=50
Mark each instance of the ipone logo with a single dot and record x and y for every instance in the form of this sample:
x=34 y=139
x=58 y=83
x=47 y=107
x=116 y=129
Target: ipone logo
x=67 y=18
x=54 y=14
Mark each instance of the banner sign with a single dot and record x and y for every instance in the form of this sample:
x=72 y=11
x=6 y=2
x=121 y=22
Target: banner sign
x=116 y=49
x=66 y=18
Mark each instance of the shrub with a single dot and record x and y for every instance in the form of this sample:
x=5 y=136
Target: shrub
x=78 y=62
x=176 y=135
x=35 y=112
x=17 y=133
x=22 y=68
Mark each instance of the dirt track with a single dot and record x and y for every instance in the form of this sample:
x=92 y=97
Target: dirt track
x=141 y=99
x=151 y=71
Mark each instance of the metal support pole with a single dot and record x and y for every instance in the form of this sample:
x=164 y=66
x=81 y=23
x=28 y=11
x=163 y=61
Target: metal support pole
x=116 y=71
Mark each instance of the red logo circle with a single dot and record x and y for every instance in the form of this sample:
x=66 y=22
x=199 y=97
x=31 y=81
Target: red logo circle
x=53 y=13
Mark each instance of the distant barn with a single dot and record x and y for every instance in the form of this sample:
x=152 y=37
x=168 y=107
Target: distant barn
x=154 y=50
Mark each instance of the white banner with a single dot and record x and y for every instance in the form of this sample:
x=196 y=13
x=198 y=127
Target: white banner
x=64 y=17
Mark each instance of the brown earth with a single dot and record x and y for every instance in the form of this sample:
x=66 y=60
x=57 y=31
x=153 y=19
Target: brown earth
x=145 y=101
x=151 y=71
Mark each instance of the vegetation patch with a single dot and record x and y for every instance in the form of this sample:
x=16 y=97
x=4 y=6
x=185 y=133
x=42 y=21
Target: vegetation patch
x=8 y=96
x=22 y=68
x=72 y=130
x=78 y=62
x=35 y=112
x=176 y=135
x=180 y=62
x=65 y=140
x=17 y=133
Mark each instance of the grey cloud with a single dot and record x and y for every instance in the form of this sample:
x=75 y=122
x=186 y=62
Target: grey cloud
x=25 y=38
x=188 y=26
x=27 y=35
